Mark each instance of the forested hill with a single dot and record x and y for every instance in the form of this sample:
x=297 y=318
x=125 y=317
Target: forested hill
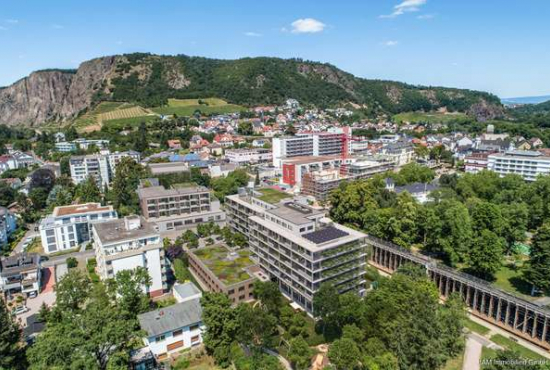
x=150 y=80
x=527 y=109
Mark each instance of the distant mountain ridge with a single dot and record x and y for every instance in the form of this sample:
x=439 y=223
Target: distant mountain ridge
x=526 y=100
x=149 y=80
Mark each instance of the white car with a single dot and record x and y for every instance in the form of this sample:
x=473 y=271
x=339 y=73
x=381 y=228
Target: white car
x=20 y=309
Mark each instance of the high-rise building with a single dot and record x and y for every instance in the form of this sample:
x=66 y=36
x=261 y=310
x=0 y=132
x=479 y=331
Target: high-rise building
x=70 y=226
x=298 y=247
x=128 y=243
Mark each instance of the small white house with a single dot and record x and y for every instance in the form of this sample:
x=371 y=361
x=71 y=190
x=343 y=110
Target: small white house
x=177 y=327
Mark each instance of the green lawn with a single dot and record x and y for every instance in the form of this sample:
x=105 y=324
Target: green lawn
x=475 y=327
x=487 y=353
x=228 y=270
x=509 y=279
x=272 y=196
x=454 y=363
x=35 y=246
x=510 y=344
x=430 y=117
x=210 y=102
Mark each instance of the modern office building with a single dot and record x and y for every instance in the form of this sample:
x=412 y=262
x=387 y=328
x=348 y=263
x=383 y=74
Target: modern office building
x=128 y=243
x=527 y=164
x=100 y=166
x=183 y=206
x=70 y=226
x=295 y=168
x=298 y=247
x=311 y=144
x=8 y=224
x=20 y=273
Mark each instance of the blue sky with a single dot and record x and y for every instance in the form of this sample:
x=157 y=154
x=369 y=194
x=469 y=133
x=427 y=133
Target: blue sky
x=498 y=46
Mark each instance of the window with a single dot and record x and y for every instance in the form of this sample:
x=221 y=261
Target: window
x=241 y=297
x=177 y=332
x=195 y=339
x=160 y=338
x=241 y=289
x=194 y=327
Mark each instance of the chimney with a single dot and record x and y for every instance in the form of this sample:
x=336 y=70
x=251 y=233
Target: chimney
x=132 y=222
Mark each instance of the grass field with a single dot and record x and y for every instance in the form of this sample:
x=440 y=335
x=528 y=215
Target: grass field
x=454 y=363
x=430 y=117
x=228 y=270
x=510 y=344
x=187 y=107
x=125 y=123
x=509 y=279
x=475 y=327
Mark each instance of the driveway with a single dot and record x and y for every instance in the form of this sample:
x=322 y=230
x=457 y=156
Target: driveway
x=47 y=296
x=30 y=233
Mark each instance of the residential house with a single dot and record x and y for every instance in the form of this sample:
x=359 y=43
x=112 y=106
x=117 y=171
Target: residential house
x=20 y=273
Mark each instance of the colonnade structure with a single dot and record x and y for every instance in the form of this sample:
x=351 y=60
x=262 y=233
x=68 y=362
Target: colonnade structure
x=513 y=314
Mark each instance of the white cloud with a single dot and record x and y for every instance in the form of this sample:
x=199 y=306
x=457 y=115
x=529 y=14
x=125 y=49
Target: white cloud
x=253 y=34
x=56 y=26
x=12 y=21
x=426 y=16
x=307 y=25
x=390 y=43
x=405 y=6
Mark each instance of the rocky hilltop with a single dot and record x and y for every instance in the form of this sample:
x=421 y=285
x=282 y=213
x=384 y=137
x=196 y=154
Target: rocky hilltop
x=149 y=80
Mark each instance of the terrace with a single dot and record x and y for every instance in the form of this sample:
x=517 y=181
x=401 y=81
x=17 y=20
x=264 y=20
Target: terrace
x=228 y=266
x=272 y=196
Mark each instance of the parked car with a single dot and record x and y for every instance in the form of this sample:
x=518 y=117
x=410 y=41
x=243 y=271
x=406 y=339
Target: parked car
x=20 y=309
x=32 y=295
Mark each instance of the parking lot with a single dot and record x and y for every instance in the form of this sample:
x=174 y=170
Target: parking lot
x=47 y=295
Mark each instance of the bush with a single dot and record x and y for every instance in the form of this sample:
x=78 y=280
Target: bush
x=72 y=262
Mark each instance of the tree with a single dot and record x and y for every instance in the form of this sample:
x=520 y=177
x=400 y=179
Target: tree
x=255 y=327
x=344 y=354
x=125 y=183
x=129 y=287
x=353 y=333
x=245 y=128
x=299 y=353
x=88 y=191
x=10 y=334
x=221 y=326
x=38 y=197
x=72 y=290
x=141 y=143
x=536 y=271
x=485 y=257
x=326 y=304
x=269 y=295
x=42 y=178
x=72 y=262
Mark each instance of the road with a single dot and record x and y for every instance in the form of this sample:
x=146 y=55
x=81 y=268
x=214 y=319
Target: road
x=472 y=353
x=30 y=233
x=52 y=261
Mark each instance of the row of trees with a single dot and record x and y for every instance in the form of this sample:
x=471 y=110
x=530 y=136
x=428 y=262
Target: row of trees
x=473 y=219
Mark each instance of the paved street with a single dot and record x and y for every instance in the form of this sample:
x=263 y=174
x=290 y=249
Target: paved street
x=30 y=233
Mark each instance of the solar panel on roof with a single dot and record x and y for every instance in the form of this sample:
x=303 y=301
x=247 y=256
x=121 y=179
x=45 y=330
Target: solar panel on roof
x=324 y=235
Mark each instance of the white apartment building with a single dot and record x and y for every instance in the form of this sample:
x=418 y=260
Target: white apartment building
x=310 y=144
x=247 y=155
x=128 y=243
x=527 y=164
x=81 y=143
x=70 y=226
x=100 y=166
x=298 y=247
x=399 y=153
x=8 y=224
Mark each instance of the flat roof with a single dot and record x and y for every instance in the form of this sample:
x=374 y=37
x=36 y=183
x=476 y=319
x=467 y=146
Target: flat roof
x=170 y=318
x=296 y=213
x=161 y=191
x=115 y=230
x=271 y=195
x=80 y=208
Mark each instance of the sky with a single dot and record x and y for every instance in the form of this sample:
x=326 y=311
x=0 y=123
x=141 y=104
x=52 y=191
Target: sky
x=500 y=46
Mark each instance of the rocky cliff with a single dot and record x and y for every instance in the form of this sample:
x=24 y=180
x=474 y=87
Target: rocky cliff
x=149 y=80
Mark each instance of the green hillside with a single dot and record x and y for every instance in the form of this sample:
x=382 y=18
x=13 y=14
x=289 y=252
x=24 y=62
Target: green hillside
x=151 y=80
